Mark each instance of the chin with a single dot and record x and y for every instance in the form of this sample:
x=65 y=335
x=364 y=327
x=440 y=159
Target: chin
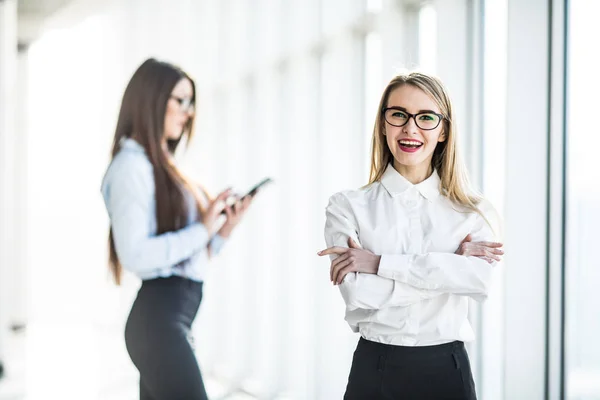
x=408 y=160
x=175 y=136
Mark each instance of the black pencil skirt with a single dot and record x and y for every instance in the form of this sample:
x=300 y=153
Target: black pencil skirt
x=382 y=371
x=157 y=336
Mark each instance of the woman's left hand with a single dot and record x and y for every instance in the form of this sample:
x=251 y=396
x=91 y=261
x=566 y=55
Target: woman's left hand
x=351 y=259
x=234 y=214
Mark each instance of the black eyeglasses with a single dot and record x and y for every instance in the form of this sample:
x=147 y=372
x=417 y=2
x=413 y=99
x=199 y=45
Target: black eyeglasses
x=185 y=104
x=427 y=120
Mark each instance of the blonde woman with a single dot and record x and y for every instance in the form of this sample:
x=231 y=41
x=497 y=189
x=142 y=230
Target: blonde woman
x=409 y=249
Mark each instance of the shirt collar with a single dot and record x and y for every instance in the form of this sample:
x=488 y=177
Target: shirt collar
x=396 y=184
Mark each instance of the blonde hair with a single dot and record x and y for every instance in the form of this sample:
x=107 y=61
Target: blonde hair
x=446 y=160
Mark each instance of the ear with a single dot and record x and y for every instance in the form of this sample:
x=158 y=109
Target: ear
x=442 y=137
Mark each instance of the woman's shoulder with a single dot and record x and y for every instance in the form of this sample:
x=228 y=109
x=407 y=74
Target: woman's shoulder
x=354 y=195
x=132 y=153
x=131 y=157
x=129 y=164
x=481 y=203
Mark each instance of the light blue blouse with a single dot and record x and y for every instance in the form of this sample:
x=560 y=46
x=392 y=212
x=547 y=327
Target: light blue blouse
x=129 y=195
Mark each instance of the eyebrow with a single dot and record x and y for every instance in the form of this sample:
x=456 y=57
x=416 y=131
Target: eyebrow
x=418 y=112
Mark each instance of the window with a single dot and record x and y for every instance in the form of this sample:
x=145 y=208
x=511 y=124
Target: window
x=582 y=266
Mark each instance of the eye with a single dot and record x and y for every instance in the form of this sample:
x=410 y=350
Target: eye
x=398 y=114
x=427 y=117
x=185 y=103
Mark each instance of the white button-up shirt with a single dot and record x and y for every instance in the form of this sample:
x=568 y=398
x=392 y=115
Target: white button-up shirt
x=419 y=296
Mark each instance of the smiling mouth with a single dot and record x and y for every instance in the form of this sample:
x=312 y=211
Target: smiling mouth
x=409 y=145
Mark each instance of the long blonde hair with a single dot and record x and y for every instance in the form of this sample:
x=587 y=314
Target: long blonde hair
x=446 y=160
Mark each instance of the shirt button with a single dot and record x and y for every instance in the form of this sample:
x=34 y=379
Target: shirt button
x=411 y=203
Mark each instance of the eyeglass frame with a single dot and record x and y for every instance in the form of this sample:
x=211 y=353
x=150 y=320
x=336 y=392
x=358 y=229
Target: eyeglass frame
x=181 y=100
x=413 y=116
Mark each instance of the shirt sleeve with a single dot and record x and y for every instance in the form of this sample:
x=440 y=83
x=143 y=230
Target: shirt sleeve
x=447 y=272
x=216 y=244
x=365 y=291
x=128 y=194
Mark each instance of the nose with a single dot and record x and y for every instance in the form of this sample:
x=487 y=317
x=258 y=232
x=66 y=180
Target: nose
x=190 y=110
x=411 y=126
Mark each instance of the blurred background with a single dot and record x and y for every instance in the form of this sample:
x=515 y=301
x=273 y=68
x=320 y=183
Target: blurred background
x=290 y=89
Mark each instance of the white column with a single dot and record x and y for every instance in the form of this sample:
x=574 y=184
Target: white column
x=459 y=71
x=19 y=299
x=491 y=344
x=8 y=57
x=526 y=212
x=398 y=28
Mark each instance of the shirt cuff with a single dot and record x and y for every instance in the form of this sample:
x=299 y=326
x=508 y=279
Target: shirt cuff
x=394 y=266
x=403 y=268
x=216 y=243
x=198 y=236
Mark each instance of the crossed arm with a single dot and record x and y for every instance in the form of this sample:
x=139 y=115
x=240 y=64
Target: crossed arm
x=371 y=281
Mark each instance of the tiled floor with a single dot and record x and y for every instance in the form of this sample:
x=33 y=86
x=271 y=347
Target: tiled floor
x=61 y=362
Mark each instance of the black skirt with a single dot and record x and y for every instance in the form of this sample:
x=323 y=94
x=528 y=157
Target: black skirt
x=382 y=371
x=158 y=339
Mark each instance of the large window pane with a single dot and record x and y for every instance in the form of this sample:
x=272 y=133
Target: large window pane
x=583 y=204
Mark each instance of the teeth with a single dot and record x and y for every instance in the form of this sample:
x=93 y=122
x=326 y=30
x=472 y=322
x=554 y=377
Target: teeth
x=410 y=142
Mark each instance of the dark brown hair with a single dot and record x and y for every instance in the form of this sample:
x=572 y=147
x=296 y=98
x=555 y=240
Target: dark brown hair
x=142 y=118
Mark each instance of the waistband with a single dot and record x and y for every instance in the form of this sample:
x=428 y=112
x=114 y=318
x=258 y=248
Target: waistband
x=173 y=299
x=407 y=351
x=173 y=280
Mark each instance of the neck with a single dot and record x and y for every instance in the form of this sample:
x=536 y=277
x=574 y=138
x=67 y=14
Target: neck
x=414 y=173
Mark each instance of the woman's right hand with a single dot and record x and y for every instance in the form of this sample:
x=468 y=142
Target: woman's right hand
x=214 y=211
x=234 y=214
x=488 y=251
